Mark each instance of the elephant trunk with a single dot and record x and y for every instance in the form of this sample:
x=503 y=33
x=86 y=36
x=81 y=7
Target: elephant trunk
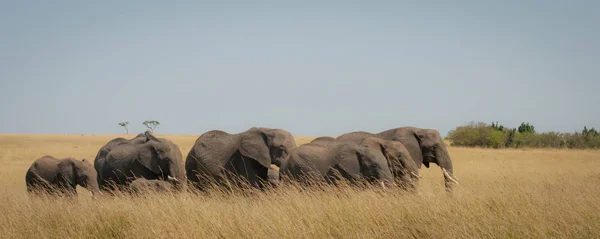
x=172 y=177
x=443 y=160
x=92 y=185
x=448 y=178
x=176 y=178
x=386 y=179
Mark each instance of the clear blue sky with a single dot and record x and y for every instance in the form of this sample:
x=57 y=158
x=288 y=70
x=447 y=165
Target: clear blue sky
x=313 y=68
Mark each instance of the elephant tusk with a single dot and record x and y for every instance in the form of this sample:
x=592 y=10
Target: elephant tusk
x=414 y=174
x=382 y=185
x=172 y=178
x=448 y=176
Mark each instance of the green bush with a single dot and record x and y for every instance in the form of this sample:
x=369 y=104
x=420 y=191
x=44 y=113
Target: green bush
x=498 y=136
x=477 y=135
x=497 y=139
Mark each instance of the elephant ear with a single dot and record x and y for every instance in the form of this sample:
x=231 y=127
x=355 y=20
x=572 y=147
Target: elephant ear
x=423 y=138
x=254 y=144
x=380 y=145
x=148 y=156
x=350 y=160
x=67 y=174
x=384 y=149
x=149 y=136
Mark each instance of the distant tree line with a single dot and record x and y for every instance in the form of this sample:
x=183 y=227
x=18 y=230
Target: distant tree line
x=497 y=136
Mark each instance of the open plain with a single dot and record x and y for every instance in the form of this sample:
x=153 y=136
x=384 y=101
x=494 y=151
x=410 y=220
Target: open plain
x=507 y=193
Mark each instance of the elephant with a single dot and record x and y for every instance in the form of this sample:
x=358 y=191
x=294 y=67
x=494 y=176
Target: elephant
x=154 y=159
x=328 y=160
x=61 y=176
x=425 y=146
x=141 y=185
x=101 y=155
x=218 y=157
x=399 y=160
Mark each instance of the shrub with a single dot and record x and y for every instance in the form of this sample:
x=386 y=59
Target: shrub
x=575 y=140
x=497 y=139
x=476 y=135
x=498 y=136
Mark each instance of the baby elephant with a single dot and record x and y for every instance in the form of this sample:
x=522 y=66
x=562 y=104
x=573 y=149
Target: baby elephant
x=61 y=176
x=141 y=185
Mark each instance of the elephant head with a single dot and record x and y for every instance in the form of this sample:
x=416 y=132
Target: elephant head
x=72 y=172
x=162 y=158
x=434 y=150
x=400 y=162
x=374 y=166
x=267 y=146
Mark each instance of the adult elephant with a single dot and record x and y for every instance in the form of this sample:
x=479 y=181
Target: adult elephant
x=155 y=159
x=55 y=176
x=101 y=155
x=219 y=157
x=399 y=160
x=425 y=146
x=328 y=160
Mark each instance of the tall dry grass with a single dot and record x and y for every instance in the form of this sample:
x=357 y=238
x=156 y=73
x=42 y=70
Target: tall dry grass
x=503 y=194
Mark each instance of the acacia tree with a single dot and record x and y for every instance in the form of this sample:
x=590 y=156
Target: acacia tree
x=151 y=124
x=124 y=124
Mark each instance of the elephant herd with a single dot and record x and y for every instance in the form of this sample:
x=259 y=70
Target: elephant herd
x=391 y=158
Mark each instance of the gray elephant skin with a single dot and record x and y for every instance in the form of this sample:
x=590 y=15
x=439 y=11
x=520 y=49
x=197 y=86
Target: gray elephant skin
x=220 y=158
x=142 y=185
x=103 y=152
x=328 y=160
x=400 y=162
x=60 y=176
x=425 y=146
x=157 y=158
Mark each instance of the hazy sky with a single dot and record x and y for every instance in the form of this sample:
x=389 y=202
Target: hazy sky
x=313 y=68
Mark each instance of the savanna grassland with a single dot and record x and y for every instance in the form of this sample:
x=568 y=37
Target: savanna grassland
x=507 y=193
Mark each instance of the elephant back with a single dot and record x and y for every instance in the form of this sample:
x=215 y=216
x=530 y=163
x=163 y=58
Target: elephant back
x=101 y=155
x=45 y=167
x=103 y=152
x=355 y=137
x=305 y=161
x=210 y=151
x=323 y=140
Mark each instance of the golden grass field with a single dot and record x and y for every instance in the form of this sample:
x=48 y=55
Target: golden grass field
x=508 y=193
